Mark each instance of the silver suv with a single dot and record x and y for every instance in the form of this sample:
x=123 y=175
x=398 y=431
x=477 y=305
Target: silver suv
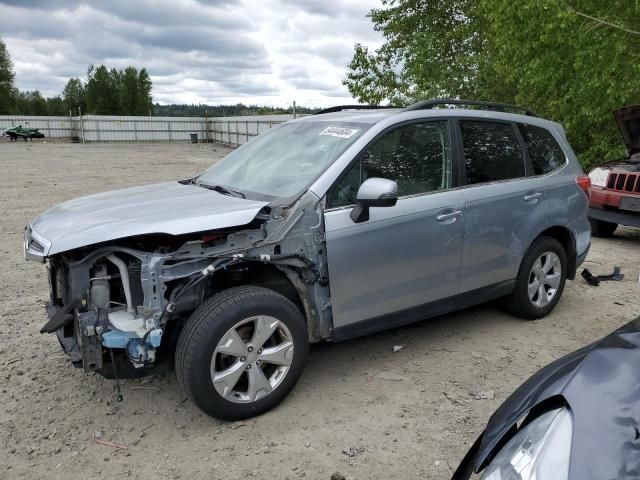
x=328 y=227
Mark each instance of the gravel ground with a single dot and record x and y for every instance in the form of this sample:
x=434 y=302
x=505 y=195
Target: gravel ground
x=359 y=408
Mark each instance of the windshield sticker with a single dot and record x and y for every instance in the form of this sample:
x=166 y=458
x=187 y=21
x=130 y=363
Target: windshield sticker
x=340 y=132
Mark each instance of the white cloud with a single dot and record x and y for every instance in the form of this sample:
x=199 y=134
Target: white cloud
x=212 y=51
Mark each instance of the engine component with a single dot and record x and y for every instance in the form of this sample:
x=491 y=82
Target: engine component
x=89 y=329
x=100 y=292
x=124 y=275
x=128 y=322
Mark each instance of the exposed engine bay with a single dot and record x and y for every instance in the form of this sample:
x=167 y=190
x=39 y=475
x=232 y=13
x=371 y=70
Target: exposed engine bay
x=123 y=302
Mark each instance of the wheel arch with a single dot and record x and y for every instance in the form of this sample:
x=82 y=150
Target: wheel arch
x=568 y=241
x=281 y=279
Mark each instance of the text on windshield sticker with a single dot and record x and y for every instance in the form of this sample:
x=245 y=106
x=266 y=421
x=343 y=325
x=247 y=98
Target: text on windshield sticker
x=341 y=132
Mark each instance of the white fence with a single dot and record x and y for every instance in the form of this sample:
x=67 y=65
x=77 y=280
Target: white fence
x=232 y=131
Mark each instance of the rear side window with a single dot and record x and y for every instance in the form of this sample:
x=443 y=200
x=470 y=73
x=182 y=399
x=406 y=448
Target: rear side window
x=544 y=152
x=491 y=151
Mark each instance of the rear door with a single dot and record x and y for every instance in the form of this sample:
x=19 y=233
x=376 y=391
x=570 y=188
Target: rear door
x=567 y=204
x=403 y=256
x=504 y=208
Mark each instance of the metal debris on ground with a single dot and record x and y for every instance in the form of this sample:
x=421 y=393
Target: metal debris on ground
x=143 y=387
x=107 y=443
x=594 y=280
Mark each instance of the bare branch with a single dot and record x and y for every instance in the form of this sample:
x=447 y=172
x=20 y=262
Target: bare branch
x=603 y=22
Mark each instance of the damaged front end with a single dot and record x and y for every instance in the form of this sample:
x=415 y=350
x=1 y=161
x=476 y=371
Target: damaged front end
x=110 y=298
x=123 y=302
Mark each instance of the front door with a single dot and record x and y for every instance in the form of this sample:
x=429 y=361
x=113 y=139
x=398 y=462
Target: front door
x=404 y=256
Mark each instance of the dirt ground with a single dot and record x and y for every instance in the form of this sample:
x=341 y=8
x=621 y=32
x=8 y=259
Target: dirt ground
x=359 y=409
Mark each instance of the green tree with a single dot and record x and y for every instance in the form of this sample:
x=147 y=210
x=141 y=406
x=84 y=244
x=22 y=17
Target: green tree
x=73 y=95
x=569 y=67
x=56 y=106
x=106 y=92
x=31 y=102
x=7 y=78
x=573 y=66
x=103 y=91
x=129 y=91
x=432 y=48
x=145 y=102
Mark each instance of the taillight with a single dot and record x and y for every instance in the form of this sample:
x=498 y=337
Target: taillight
x=584 y=182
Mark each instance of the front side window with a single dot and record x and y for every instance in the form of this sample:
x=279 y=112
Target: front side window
x=416 y=156
x=281 y=162
x=544 y=152
x=491 y=151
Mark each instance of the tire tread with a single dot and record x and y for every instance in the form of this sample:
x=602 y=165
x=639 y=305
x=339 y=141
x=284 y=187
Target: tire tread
x=203 y=318
x=513 y=303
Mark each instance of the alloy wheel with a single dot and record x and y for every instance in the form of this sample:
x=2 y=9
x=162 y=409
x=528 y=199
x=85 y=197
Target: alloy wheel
x=252 y=359
x=544 y=279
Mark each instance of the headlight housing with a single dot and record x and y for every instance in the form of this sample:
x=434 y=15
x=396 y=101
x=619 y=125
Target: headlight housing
x=599 y=177
x=540 y=451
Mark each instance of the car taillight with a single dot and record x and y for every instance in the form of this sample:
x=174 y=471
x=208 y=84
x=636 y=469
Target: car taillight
x=584 y=182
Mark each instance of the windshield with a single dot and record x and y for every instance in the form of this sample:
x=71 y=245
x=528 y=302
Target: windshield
x=283 y=160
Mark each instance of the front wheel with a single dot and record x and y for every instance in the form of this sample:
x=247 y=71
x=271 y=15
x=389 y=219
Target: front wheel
x=540 y=280
x=241 y=352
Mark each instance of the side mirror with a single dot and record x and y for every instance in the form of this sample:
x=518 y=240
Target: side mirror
x=374 y=192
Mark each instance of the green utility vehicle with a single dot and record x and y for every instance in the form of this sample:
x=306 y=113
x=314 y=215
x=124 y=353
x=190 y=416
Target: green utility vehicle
x=22 y=132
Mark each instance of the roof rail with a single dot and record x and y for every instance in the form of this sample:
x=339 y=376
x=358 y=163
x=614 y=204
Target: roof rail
x=498 y=107
x=339 y=108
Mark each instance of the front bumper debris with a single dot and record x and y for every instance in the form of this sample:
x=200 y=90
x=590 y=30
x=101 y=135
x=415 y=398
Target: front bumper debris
x=87 y=336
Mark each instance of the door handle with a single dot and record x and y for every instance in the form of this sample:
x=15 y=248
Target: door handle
x=449 y=215
x=532 y=196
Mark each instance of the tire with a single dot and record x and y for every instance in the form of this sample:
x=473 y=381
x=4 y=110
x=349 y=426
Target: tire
x=602 y=229
x=199 y=358
x=520 y=302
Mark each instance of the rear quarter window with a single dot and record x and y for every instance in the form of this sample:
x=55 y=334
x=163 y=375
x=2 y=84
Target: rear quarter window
x=544 y=152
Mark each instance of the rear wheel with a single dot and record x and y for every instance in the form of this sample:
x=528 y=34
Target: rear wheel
x=540 y=281
x=241 y=352
x=602 y=229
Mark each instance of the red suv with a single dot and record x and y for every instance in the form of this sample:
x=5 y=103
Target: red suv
x=615 y=185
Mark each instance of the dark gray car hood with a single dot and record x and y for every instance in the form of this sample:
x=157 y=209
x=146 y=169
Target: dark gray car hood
x=172 y=208
x=628 y=120
x=601 y=385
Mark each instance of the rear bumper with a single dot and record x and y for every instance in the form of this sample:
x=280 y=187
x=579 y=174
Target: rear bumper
x=615 y=216
x=580 y=258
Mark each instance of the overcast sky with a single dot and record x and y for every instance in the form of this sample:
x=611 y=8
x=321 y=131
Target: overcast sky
x=209 y=51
